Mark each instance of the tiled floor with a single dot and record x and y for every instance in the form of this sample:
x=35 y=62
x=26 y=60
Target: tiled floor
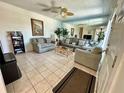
x=41 y=72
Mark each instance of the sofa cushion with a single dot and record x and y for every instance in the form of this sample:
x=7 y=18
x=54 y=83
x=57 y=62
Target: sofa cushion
x=41 y=40
x=75 y=40
x=48 y=40
x=67 y=41
x=50 y=44
x=71 y=41
x=34 y=40
x=45 y=45
x=81 y=42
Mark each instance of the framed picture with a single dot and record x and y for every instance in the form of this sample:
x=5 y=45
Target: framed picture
x=37 y=27
x=72 y=31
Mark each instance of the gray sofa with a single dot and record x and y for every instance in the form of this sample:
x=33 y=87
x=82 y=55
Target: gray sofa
x=74 y=43
x=89 y=59
x=41 y=45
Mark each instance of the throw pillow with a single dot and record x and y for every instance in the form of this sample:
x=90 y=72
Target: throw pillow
x=81 y=42
x=67 y=41
x=75 y=40
x=48 y=40
x=40 y=40
x=34 y=40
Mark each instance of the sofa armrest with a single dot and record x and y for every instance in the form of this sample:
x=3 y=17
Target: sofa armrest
x=87 y=59
x=36 y=46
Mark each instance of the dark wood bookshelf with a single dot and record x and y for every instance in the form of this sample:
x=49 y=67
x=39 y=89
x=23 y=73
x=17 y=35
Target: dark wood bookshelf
x=18 y=42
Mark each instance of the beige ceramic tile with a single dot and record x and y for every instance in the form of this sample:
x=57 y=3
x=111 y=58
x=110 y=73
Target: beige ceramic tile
x=59 y=73
x=10 y=88
x=22 y=85
x=41 y=69
x=53 y=68
x=46 y=73
x=52 y=79
x=49 y=91
x=32 y=90
x=38 y=65
x=32 y=73
x=42 y=72
x=28 y=68
x=34 y=77
x=42 y=87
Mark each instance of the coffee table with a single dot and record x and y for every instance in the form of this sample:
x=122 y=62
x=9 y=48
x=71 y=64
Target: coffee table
x=63 y=50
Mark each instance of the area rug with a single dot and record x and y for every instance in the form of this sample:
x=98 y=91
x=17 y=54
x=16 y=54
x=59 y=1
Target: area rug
x=76 y=81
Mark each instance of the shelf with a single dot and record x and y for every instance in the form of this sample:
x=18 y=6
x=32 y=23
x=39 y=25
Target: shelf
x=18 y=42
x=16 y=37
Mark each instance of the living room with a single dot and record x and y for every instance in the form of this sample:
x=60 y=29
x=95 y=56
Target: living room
x=21 y=21
x=57 y=40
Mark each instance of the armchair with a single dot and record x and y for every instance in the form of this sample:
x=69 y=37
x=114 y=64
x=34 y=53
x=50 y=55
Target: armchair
x=89 y=59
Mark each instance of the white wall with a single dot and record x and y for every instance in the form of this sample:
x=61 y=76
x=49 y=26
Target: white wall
x=69 y=26
x=87 y=30
x=16 y=19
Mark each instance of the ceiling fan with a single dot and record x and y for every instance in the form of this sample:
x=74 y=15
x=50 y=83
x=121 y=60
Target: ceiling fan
x=52 y=8
x=64 y=12
x=56 y=9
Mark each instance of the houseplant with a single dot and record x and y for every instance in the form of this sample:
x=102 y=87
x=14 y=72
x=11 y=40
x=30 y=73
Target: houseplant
x=58 y=32
x=64 y=33
x=101 y=36
x=61 y=32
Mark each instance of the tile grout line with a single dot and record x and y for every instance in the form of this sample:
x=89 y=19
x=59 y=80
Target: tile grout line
x=41 y=80
x=48 y=59
x=30 y=81
x=44 y=77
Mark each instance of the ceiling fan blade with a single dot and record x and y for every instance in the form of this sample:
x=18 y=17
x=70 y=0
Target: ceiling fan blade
x=57 y=7
x=69 y=13
x=47 y=9
x=53 y=11
x=43 y=5
x=64 y=9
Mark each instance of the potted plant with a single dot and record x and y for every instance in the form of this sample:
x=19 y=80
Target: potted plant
x=101 y=36
x=61 y=32
x=58 y=32
x=64 y=33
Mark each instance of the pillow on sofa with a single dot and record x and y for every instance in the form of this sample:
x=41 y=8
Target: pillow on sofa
x=75 y=40
x=40 y=40
x=81 y=42
x=48 y=40
x=33 y=40
x=67 y=41
x=97 y=50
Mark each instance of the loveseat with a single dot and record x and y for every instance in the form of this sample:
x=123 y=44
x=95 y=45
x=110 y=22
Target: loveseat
x=41 y=45
x=88 y=59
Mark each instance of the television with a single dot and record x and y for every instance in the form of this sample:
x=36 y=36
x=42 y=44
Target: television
x=88 y=37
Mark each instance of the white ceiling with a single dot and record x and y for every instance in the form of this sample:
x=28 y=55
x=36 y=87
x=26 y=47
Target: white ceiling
x=83 y=9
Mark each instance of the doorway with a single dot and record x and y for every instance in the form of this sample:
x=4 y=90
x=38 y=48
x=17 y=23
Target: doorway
x=81 y=32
